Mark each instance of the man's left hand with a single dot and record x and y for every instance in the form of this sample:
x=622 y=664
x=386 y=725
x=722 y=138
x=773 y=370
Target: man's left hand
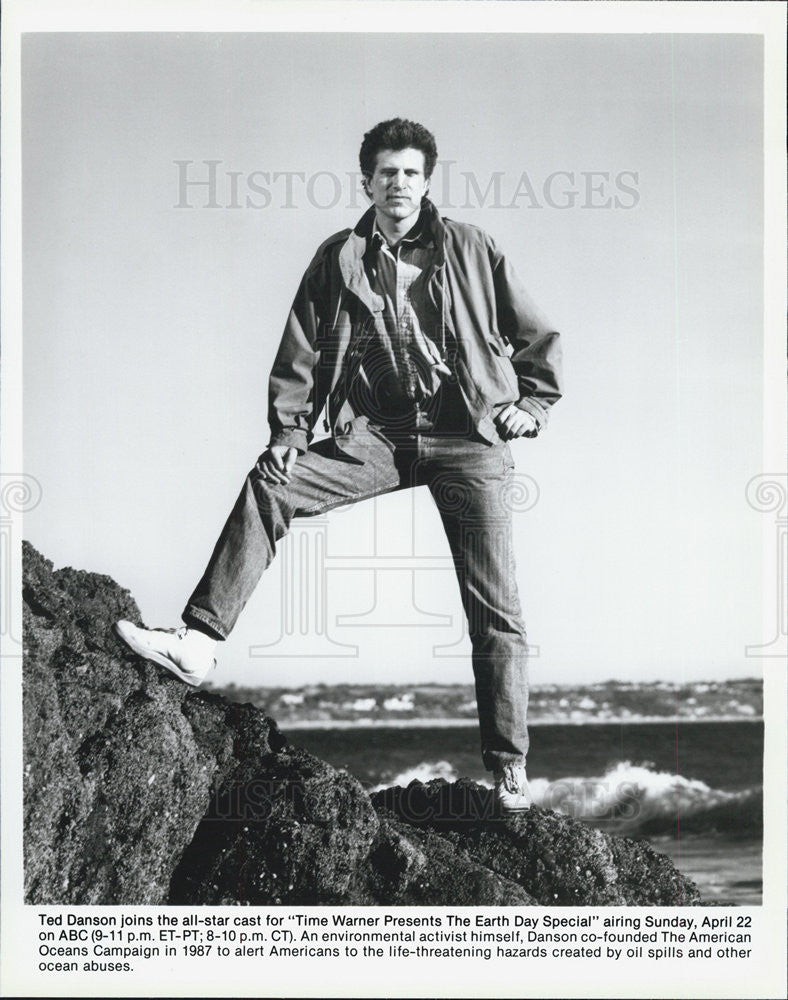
x=514 y=423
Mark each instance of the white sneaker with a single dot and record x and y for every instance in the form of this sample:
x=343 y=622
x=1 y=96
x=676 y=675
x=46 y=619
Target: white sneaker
x=511 y=788
x=184 y=652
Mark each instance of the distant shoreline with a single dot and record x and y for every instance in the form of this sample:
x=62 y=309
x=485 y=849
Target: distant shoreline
x=460 y=723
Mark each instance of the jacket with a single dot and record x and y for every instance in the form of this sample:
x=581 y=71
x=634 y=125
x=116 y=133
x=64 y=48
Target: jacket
x=501 y=349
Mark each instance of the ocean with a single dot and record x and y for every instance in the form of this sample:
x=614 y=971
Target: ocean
x=693 y=789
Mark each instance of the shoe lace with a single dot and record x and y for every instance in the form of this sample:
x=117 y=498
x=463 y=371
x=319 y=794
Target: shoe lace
x=513 y=774
x=179 y=633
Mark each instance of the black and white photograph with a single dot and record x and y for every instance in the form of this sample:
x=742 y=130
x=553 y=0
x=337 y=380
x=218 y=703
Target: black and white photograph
x=394 y=514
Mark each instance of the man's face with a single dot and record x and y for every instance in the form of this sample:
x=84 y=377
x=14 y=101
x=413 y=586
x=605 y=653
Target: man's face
x=398 y=183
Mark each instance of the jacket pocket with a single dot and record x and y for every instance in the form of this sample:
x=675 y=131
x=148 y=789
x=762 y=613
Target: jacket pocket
x=505 y=364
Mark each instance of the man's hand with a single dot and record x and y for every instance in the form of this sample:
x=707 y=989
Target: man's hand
x=276 y=463
x=514 y=423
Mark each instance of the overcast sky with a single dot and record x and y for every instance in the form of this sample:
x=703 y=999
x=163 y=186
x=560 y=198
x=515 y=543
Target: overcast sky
x=622 y=175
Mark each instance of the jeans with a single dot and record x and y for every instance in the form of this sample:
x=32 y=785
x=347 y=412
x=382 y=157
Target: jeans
x=470 y=481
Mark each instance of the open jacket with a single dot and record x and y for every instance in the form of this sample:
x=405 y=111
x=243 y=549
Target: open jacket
x=500 y=347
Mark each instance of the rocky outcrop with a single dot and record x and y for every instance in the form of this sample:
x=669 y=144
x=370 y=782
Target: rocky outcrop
x=141 y=790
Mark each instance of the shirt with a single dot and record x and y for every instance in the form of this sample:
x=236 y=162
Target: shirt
x=402 y=368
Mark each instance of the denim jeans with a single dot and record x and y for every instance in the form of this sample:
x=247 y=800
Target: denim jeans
x=470 y=481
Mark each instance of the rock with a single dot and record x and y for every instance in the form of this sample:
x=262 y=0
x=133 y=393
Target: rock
x=290 y=829
x=140 y=790
x=557 y=860
x=120 y=761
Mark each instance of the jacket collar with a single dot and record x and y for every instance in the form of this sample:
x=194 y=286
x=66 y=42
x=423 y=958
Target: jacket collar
x=351 y=256
x=429 y=226
x=418 y=233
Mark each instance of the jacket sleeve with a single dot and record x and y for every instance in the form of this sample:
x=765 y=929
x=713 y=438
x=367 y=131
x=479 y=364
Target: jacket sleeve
x=536 y=356
x=291 y=383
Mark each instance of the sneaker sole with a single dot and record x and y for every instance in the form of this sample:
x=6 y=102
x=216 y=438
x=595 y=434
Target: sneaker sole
x=162 y=661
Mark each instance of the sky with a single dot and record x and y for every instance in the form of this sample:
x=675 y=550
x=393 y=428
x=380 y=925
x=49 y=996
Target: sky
x=622 y=175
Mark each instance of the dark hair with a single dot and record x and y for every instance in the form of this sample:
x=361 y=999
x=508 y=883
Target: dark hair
x=396 y=134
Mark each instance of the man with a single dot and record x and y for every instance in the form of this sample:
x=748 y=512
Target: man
x=402 y=329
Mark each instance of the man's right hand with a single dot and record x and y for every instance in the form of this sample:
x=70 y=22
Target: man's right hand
x=276 y=463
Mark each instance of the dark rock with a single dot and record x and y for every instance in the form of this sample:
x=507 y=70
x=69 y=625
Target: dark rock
x=120 y=760
x=559 y=861
x=284 y=828
x=140 y=790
